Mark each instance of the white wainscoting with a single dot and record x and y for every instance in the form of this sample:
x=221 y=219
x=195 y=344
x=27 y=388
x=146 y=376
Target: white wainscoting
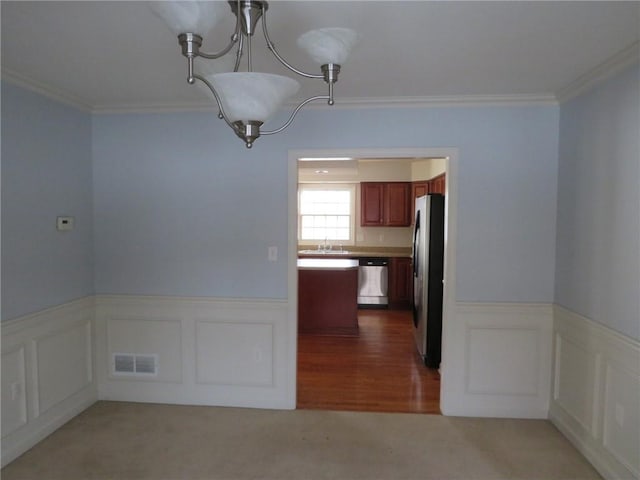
x=596 y=393
x=47 y=373
x=225 y=352
x=497 y=360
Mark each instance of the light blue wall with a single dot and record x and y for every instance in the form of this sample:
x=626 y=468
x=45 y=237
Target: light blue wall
x=598 y=247
x=46 y=172
x=183 y=208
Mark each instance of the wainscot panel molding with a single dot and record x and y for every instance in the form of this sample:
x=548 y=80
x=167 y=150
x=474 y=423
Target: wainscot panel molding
x=596 y=393
x=504 y=364
x=208 y=351
x=48 y=373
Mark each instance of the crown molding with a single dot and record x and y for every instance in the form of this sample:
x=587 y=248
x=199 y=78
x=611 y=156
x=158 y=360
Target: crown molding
x=620 y=61
x=346 y=103
x=45 y=90
x=610 y=67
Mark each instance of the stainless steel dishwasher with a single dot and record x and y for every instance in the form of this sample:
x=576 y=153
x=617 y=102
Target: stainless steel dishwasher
x=373 y=282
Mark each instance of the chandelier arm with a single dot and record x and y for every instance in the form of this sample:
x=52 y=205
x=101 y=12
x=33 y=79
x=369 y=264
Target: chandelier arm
x=272 y=48
x=295 y=112
x=234 y=39
x=222 y=114
x=211 y=56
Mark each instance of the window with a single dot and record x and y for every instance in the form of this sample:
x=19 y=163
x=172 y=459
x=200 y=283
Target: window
x=326 y=212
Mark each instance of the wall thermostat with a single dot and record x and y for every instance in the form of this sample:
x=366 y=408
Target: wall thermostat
x=64 y=223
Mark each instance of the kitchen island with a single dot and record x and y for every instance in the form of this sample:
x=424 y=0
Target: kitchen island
x=327 y=296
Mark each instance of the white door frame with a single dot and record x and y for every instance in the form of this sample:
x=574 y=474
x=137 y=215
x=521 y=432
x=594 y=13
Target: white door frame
x=450 y=347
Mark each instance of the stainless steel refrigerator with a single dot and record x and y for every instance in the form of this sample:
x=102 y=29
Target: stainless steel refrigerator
x=428 y=271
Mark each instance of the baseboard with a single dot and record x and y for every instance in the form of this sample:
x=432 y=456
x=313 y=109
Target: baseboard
x=596 y=393
x=48 y=373
x=497 y=360
x=601 y=464
x=13 y=448
x=210 y=351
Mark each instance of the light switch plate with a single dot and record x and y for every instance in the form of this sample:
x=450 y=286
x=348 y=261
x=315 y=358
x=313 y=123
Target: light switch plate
x=65 y=223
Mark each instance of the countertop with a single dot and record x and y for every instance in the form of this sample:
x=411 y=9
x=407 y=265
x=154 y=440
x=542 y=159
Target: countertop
x=327 y=264
x=356 y=252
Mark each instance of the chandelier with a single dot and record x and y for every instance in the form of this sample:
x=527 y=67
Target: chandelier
x=246 y=99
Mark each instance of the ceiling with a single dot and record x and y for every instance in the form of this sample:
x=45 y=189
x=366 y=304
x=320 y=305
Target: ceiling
x=111 y=56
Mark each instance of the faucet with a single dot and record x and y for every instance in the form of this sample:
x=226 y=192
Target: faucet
x=324 y=247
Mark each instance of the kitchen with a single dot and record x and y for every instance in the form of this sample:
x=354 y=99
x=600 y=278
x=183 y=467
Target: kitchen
x=356 y=282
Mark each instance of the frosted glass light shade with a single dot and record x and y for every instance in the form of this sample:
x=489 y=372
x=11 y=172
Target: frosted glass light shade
x=208 y=68
x=252 y=96
x=328 y=45
x=190 y=16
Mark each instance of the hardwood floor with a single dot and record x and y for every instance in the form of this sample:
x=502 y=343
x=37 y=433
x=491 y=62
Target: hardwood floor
x=378 y=371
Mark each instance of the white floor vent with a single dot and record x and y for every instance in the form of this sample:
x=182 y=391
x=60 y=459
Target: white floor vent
x=135 y=364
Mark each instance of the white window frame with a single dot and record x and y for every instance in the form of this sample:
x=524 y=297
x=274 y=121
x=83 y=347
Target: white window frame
x=351 y=187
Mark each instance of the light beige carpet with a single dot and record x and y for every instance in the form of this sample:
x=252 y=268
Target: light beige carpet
x=113 y=440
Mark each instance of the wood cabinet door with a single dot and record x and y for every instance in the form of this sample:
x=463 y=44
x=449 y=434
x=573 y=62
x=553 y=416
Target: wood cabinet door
x=418 y=189
x=398 y=204
x=438 y=184
x=400 y=283
x=371 y=204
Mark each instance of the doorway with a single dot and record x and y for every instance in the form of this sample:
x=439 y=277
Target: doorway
x=371 y=321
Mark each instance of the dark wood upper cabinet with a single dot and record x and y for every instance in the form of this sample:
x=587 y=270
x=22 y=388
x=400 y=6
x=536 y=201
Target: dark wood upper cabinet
x=385 y=204
x=418 y=189
x=424 y=187
x=398 y=204
x=371 y=204
x=438 y=184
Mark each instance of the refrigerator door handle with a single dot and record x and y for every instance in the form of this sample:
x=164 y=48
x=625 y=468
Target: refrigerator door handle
x=416 y=250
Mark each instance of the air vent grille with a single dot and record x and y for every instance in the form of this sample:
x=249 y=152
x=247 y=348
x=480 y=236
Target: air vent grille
x=146 y=364
x=135 y=364
x=124 y=363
